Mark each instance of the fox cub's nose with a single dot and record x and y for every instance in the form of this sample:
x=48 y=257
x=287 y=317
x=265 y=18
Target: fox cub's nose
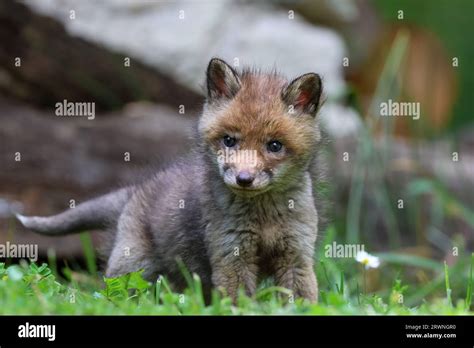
x=244 y=179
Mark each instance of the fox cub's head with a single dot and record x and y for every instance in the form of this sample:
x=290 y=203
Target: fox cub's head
x=259 y=130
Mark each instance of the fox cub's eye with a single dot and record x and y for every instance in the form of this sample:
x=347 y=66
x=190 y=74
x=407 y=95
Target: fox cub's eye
x=229 y=141
x=274 y=146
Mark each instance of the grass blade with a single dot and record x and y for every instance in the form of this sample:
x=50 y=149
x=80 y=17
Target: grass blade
x=469 y=285
x=410 y=260
x=89 y=253
x=448 y=288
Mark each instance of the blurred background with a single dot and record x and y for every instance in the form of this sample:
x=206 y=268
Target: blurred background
x=401 y=187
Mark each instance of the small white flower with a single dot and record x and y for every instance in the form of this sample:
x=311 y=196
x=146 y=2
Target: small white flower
x=369 y=261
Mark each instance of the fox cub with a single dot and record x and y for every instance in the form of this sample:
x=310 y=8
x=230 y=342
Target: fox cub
x=240 y=207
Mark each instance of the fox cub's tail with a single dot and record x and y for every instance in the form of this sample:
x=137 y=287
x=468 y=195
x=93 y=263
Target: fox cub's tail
x=94 y=214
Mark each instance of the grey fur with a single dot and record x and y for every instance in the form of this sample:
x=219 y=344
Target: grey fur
x=95 y=213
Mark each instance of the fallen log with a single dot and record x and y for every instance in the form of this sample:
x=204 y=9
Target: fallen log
x=49 y=162
x=41 y=64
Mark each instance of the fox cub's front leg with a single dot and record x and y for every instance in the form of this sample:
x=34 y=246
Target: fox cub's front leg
x=234 y=263
x=298 y=276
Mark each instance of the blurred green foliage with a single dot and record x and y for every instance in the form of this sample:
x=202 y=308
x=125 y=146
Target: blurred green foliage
x=451 y=21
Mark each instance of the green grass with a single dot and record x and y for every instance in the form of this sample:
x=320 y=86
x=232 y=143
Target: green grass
x=31 y=289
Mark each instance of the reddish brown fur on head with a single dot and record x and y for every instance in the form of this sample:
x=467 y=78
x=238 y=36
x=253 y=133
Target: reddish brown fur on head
x=256 y=108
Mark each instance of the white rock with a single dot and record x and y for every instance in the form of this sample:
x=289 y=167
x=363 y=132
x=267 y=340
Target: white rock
x=179 y=37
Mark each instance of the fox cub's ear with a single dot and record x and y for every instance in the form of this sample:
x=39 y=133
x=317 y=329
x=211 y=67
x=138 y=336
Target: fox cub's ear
x=304 y=93
x=222 y=80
